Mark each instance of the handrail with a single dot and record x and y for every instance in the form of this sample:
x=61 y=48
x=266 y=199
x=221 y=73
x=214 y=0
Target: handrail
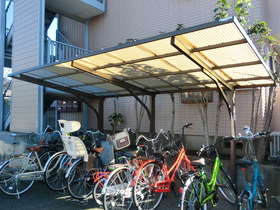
x=9 y=15
x=56 y=51
x=63 y=37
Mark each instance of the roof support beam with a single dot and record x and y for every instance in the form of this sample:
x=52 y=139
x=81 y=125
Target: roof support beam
x=54 y=86
x=181 y=44
x=110 y=79
x=225 y=44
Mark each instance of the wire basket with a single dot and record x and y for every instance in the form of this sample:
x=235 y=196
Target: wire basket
x=7 y=149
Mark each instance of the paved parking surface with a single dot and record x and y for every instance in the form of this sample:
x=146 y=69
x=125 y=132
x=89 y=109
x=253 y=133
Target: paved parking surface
x=39 y=197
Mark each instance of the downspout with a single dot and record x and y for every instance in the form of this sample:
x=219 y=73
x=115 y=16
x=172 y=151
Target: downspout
x=2 y=56
x=41 y=36
x=86 y=45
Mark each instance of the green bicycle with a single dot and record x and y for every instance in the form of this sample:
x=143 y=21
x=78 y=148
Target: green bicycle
x=197 y=190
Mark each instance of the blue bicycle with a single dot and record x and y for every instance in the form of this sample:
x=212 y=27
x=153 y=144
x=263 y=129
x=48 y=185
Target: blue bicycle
x=254 y=193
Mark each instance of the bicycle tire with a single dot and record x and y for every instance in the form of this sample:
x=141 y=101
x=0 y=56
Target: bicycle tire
x=117 y=191
x=193 y=192
x=9 y=183
x=55 y=171
x=261 y=193
x=97 y=191
x=45 y=156
x=79 y=181
x=244 y=201
x=226 y=186
x=143 y=194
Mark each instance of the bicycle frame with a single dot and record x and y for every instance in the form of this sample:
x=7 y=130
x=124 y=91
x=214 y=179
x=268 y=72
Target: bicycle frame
x=252 y=188
x=211 y=185
x=164 y=186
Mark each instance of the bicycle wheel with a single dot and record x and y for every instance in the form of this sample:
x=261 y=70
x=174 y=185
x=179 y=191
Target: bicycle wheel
x=97 y=191
x=55 y=171
x=261 y=194
x=44 y=157
x=226 y=186
x=79 y=181
x=10 y=181
x=193 y=193
x=244 y=201
x=143 y=193
x=117 y=191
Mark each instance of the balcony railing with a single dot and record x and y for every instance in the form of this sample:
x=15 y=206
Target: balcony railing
x=56 y=51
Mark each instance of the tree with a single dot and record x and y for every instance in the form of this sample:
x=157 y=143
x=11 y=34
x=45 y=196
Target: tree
x=116 y=118
x=139 y=113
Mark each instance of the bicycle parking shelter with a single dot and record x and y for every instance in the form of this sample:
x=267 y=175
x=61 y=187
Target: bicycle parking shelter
x=214 y=56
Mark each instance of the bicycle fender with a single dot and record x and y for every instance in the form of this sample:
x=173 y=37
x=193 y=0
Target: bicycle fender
x=61 y=152
x=72 y=166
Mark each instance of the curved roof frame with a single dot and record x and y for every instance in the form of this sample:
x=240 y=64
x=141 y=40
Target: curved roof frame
x=213 y=56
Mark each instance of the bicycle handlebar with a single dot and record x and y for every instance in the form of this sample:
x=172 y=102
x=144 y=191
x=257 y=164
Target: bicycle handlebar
x=151 y=139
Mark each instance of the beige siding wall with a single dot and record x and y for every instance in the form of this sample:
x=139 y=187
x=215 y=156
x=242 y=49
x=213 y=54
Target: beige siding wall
x=73 y=30
x=25 y=55
x=184 y=113
x=141 y=19
x=272 y=16
x=275 y=123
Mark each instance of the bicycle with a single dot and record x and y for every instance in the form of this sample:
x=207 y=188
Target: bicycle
x=126 y=155
x=18 y=173
x=108 y=183
x=197 y=190
x=254 y=193
x=154 y=177
x=50 y=139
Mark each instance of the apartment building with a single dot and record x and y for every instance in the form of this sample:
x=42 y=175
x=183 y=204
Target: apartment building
x=88 y=26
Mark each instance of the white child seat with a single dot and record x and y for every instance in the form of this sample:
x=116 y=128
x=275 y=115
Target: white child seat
x=74 y=146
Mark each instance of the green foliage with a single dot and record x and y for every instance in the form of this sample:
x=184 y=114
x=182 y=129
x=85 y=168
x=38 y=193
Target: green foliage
x=260 y=32
x=179 y=27
x=115 y=119
x=222 y=10
x=242 y=11
x=128 y=41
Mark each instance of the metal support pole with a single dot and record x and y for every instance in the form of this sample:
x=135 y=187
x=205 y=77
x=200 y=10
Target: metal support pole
x=2 y=56
x=232 y=115
x=153 y=115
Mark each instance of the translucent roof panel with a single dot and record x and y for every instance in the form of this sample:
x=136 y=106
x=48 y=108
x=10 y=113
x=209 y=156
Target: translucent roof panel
x=191 y=59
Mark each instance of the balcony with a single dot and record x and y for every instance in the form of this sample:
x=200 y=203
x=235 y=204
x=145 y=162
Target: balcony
x=77 y=9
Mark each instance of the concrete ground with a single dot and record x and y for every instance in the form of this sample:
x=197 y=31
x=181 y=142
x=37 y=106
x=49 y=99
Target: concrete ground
x=40 y=197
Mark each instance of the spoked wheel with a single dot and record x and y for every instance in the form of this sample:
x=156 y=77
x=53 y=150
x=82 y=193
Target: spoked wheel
x=44 y=157
x=97 y=191
x=10 y=181
x=226 y=186
x=261 y=194
x=55 y=171
x=244 y=202
x=79 y=181
x=117 y=191
x=193 y=193
x=143 y=191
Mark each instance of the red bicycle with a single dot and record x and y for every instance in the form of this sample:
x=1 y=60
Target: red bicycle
x=153 y=178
